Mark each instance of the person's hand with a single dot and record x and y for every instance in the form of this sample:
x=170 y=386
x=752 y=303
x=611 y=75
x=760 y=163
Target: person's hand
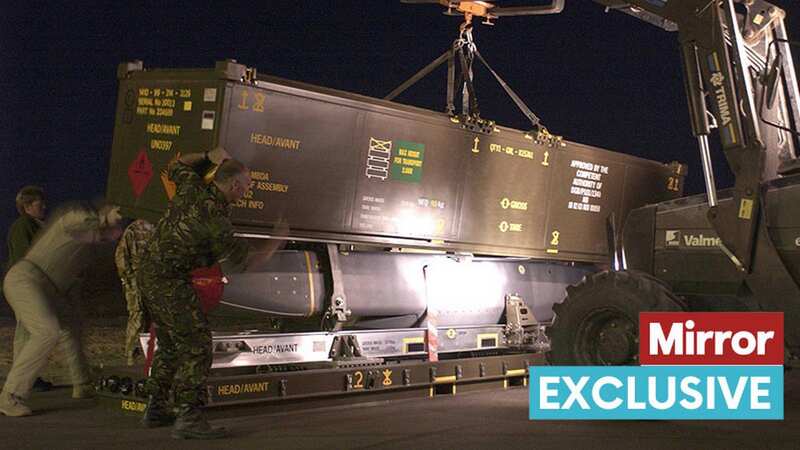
x=113 y=216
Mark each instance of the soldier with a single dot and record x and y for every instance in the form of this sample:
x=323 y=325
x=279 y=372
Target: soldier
x=40 y=289
x=195 y=231
x=129 y=250
x=31 y=207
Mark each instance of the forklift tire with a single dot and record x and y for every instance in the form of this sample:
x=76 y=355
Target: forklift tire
x=598 y=321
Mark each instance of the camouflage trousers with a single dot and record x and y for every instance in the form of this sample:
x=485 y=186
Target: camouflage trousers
x=136 y=318
x=183 y=357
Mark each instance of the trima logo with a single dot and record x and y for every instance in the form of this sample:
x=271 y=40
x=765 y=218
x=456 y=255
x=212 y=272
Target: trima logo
x=717 y=390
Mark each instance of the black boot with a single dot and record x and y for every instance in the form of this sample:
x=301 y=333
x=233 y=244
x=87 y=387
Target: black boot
x=192 y=424
x=157 y=414
x=41 y=385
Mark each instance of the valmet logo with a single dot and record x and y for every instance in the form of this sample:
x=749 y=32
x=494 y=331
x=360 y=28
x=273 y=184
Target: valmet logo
x=676 y=238
x=695 y=366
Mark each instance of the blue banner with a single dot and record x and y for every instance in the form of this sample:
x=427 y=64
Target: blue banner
x=656 y=392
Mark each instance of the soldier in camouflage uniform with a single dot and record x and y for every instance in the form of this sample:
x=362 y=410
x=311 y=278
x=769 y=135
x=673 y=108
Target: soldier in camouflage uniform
x=129 y=250
x=195 y=231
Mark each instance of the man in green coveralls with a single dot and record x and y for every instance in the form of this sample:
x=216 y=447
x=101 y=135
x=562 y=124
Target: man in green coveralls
x=129 y=250
x=32 y=208
x=195 y=231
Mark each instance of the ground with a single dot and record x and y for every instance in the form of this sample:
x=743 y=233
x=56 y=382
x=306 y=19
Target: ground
x=478 y=420
x=490 y=419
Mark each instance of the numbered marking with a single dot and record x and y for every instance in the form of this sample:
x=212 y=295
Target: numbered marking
x=673 y=184
x=546 y=160
x=243 y=104
x=358 y=378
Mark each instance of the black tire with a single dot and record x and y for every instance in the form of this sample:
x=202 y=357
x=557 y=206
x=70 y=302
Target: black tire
x=598 y=322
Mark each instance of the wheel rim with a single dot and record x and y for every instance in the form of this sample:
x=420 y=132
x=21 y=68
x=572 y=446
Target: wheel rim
x=607 y=337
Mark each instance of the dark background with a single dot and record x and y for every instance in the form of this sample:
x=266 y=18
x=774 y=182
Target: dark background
x=603 y=79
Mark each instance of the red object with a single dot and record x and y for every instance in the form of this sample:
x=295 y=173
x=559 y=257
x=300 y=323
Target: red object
x=151 y=346
x=729 y=338
x=208 y=284
x=139 y=173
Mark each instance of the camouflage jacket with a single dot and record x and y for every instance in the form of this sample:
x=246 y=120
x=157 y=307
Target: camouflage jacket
x=130 y=248
x=195 y=230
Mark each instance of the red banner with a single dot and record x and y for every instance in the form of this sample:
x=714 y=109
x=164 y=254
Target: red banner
x=705 y=338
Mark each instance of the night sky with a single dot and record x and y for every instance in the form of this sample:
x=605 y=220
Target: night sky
x=607 y=80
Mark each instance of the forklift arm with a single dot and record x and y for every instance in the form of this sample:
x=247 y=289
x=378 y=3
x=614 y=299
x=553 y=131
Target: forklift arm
x=722 y=47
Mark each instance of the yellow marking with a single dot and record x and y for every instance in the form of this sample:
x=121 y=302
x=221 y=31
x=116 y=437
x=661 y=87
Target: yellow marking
x=408 y=341
x=451 y=333
x=758 y=19
x=716 y=61
x=453 y=390
x=259 y=176
x=275 y=141
x=546 y=161
x=163 y=128
x=430 y=392
x=556 y=235
x=271 y=187
x=311 y=298
x=731 y=131
x=746 y=209
x=673 y=184
x=359 y=380
x=475 y=148
x=505 y=384
x=483 y=336
x=438 y=241
x=243 y=103
x=506 y=203
x=158 y=144
x=515 y=372
x=128 y=405
x=525 y=381
x=187 y=105
x=387 y=377
x=525 y=153
x=443 y=380
x=552 y=250
x=224 y=390
x=258 y=106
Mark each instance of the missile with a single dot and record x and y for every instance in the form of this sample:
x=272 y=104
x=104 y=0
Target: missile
x=395 y=290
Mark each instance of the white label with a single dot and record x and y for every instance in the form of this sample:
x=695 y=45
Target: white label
x=210 y=94
x=208 y=120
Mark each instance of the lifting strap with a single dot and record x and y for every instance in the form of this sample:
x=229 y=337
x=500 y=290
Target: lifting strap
x=465 y=51
x=535 y=121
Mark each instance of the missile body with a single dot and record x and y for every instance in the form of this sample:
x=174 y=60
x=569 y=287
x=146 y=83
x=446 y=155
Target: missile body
x=395 y=290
